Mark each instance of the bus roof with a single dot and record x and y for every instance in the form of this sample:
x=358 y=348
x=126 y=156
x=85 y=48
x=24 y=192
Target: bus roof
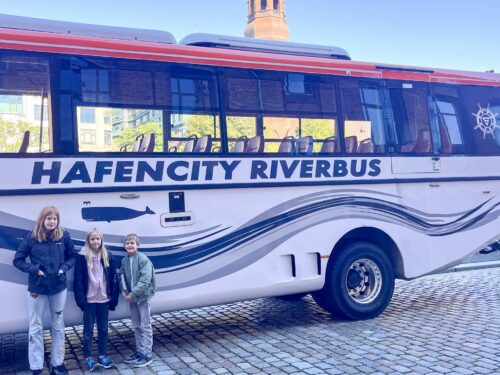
x=83 y=29
x=262 y=45
x=21 y=33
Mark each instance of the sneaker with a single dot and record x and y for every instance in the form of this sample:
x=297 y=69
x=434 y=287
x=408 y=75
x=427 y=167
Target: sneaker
x=91 y=363
x=132 y=358
x=105 y=362
x=143 y=361
x=59 y=370
x=37 y=372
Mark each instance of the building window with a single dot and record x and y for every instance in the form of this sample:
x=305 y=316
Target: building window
x=87 y=115
x=276 y=4
x=107 y=137
x=11 y=103
x=263 y=4
x=87 y=137
x=38 y=111
x=107 y=120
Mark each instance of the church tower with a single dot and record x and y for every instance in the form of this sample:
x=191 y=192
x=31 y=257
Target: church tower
x=266 y=20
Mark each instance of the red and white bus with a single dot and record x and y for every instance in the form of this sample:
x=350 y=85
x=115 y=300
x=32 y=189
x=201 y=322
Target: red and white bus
x=248 y=168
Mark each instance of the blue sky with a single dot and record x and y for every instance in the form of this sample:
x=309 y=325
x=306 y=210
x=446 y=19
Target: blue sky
x=455 y=34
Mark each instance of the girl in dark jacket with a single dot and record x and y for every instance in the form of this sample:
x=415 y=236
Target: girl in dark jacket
x=96 y=292
x=51 y=254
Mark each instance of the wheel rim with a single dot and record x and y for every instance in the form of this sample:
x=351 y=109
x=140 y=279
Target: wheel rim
x=363 y=281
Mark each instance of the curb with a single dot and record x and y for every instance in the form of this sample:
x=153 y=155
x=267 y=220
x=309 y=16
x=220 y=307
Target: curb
x=473 y=266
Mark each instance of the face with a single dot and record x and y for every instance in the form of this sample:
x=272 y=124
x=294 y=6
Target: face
x=50 y=222
x=131 y=247
x=95 y=241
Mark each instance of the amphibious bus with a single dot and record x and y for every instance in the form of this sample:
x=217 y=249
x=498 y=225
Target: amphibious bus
x=249 y=168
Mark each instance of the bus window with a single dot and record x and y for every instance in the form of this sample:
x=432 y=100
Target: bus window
x=294 y=112
x=194 y=133
x=410 y=110
x=239 y=130
x=450 y=133
x=475 y=114
x=364 y=129
x=24 y=108
x=104 y=129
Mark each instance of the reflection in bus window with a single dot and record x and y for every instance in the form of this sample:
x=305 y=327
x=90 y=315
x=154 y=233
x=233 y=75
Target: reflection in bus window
x=411 y=115
x=364 y=130
x=25 y=123
x=449 y=128
x=104 y=129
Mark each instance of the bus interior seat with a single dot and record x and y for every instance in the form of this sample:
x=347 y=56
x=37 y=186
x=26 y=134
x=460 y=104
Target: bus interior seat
x=204 y=144
x=305 y=144
x=255 y=145
x=351 y=144
x=148 y=143
x=191 y=143
x=329 y=145
x=366 y=146
x=240 y=144
x=287 y=145
x=136 y=146
x=423 y=142
x=407 y=147
x=25 y=143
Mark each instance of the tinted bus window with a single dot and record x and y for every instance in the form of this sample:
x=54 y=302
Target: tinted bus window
x=283 y=112
x=25 y=123
x=410 y=111
x=468 y=118
x=146 y=107
x=364 y=127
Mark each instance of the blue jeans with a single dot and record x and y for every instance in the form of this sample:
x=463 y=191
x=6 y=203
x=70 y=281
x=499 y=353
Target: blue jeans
x=141 y=320
x=95 y=312
x=36 y=308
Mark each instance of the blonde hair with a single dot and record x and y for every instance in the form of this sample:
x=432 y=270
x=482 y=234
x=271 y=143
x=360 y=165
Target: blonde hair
x=134 y=237
x=40 y=233
x=102 y=249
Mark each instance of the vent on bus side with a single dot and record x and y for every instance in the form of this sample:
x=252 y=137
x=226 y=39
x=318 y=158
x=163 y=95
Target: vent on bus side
x=261 y=45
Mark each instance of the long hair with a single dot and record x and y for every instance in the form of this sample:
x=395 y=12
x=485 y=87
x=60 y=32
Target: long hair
x=102 y=249
x=40 y=233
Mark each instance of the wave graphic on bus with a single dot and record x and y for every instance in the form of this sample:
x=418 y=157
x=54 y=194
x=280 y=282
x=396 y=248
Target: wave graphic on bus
x=253 y=240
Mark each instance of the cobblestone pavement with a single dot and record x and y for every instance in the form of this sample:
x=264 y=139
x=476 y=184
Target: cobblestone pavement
x=439 y=324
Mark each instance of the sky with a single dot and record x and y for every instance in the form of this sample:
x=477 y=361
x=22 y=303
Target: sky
x=453 y=34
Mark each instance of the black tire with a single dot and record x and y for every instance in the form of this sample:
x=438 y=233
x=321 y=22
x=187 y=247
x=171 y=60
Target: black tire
x=359 y=282
x=292 y=297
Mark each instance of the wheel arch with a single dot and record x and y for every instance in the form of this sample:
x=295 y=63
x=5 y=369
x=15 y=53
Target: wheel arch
x=376 y=237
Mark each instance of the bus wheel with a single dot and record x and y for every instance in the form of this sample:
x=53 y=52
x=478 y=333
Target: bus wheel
x=292 y=297
x=359 y=282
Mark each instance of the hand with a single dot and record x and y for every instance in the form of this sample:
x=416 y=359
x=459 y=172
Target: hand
x=128 y=297
x=40 y=273
x=60 y=272
x=33 y=295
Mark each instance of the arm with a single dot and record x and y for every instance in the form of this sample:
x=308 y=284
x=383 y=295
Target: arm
x=122 y=279
x=114 y=288
x=145 y=275
x=22 y=253
x=79 y=282
x=69 y=253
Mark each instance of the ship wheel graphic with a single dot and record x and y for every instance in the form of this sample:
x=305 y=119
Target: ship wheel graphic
x=486 y=121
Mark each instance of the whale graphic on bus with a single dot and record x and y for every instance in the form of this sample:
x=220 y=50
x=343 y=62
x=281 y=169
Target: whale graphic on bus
x=110 y=214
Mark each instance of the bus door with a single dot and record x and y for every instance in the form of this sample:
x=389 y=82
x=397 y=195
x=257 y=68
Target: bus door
x=409 y=109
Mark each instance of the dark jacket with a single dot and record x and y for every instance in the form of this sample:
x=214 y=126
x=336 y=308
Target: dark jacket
x=81 y=283
x=49 y=256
